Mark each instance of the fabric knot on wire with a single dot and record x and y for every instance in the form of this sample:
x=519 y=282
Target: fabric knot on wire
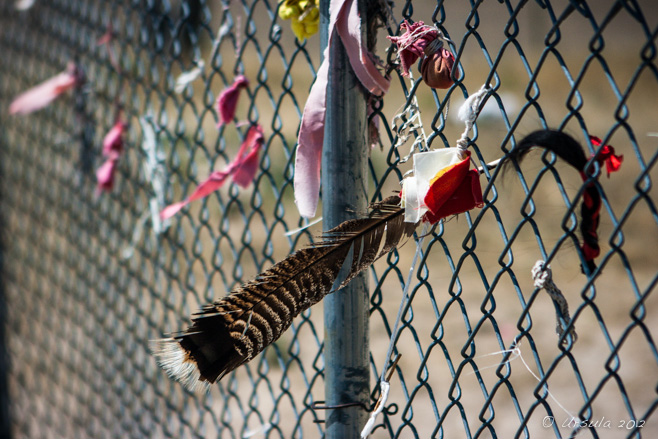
x=443 y=183
x=542 y=275
x=421 y=40
x=605 y=155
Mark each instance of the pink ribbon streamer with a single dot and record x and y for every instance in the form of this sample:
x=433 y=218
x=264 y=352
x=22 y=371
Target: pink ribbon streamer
x=112 y=149
x=113 y=140
x=242 y=169
x=44 y=94
x=227 y=101
x=105 y=175
x=345 y=20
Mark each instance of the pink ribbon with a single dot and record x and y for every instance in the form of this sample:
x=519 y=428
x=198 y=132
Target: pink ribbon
x=227 y=101
x=345 y=20
x=44 y=94
x=242 y=169
x=112 y=149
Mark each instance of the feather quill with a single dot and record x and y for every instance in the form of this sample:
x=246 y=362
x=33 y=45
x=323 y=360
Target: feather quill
x=236 y=328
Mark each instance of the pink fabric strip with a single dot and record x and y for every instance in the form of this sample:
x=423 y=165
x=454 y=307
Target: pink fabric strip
x=243 y=169
x=309 y=152
x=348 y=25
x=43 y=94
x=344 y=18
x=227 y=101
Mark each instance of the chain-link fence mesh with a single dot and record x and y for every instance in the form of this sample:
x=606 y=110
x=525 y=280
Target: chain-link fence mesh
x=88 y=277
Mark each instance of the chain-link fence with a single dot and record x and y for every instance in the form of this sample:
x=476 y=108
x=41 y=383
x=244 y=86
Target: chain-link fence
x=88 y=277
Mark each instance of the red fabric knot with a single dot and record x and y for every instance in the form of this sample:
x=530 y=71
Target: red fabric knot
x=419 y=40
x=454 y=190
x=607 y=155
x=436 y=69
x=412 y=43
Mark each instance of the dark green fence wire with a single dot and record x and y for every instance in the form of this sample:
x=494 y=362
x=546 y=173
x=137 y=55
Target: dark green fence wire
x=82 y=293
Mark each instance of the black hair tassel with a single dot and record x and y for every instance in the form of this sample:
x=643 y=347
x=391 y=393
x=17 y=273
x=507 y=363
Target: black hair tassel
x=569 y=150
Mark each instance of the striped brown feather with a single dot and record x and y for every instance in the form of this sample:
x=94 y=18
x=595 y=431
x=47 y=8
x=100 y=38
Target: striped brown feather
x=236 y=328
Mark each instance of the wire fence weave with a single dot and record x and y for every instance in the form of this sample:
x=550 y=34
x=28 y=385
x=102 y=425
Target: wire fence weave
x=88 y=277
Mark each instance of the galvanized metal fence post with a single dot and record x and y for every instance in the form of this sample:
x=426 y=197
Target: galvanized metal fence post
x=344 y=196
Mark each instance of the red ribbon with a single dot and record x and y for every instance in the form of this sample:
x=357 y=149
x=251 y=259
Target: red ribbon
x=606 y=155
x=592 y=204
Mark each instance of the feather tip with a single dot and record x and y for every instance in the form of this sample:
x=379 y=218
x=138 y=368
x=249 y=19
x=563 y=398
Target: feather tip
x=171 y=357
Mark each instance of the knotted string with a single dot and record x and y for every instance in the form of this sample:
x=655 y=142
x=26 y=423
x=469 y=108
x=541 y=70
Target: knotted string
x=543 y=277
x=468 y=112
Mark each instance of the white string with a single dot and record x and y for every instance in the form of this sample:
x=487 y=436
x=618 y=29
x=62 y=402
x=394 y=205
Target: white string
x=302 y=228
x=516 y=353
x=262 y=429
x=381 y=403
x=489 y=166
x=189 y=76
x=413 y=111
x=548 y=392
x=468 y=112
x=433 y=47
x=405 y=298
x=383 y=383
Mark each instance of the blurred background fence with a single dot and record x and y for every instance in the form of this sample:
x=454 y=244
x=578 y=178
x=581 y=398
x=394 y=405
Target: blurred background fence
x=88 y=278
